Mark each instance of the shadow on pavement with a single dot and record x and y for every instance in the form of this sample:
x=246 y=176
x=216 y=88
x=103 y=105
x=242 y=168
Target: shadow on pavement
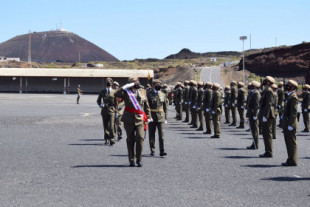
x=306 y=158
x=240 y=157
x=197 y=137
x=88 y=144
x=241 y=134
x=285 y=179
x=260 y=166
x=92 y=140
x=231 y=148
x=99 y=166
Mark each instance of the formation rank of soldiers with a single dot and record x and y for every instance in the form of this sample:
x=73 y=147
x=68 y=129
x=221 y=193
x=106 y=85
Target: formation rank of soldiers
x=203 y=104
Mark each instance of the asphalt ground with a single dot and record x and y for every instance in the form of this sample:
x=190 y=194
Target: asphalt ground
x=53 y=154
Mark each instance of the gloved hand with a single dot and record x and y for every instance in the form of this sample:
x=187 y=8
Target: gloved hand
x=213 y=112
x=264 y=119
x=281 y=117
x=194 y=107
x=226 y=105
x=290 y=128
x=242 y=107
x=198 y=108
x=166 y=122
x=190 y=103
x=279 y=106
x=233 y=105
x=128 y=85
x=254 y=118
x=149 y=120
x=207 y=110
x=185 y=103
x=305 y=110
x=116 y=115
x=102 y=105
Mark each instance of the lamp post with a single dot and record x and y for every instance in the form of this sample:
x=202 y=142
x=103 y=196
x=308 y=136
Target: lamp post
x=243 y=38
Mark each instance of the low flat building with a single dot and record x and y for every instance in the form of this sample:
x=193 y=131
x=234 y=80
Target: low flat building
x=58 y=80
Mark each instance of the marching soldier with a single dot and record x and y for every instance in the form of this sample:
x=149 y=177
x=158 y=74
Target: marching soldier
x=107 y=102
x=186 y=100
x=199 y=106
x=194 y=104
x=233 y=94
x=135 y=118
x=266 y=115
x=227 y=104
x=240 y=104
x=305 y=107
x=179 y=100
x=252 y=111
x=216 y=110
x=158 y=106
x=280 y=102
x=79 y=93
x=274 y=87
x=290 y=123
x=207 y=107
x=118 y=113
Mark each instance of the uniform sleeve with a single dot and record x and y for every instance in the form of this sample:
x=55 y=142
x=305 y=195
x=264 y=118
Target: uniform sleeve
x=99 y=98
x=256 y=103
x=293 y=104
x=147 y=109
x=268 y=102
x=120 y=93
x=165 y=106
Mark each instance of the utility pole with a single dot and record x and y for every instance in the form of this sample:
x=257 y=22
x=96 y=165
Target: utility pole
x=29 y=48
x=243 y=38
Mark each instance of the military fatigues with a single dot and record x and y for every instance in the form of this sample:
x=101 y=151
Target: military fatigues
x=79 y=92
x=189 y=104
x=240 y=106
x=267 y=111
x=179 y=102
x=227 y=105
x=233 y=94
x=280 y=105
x=207 y=109
x=252 y=111
x=134 y=123
x=200 y=108
x=165 y=91
x=290 y=119
x=186 y=102
x=107 y=101
x=274 y=124
x=118 y=117
x=194 y=106
x=305 y=109
x=216 y=112
x=158 y=106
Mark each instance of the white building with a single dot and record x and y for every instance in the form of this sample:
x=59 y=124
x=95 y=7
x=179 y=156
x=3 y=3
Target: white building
x=3 y=59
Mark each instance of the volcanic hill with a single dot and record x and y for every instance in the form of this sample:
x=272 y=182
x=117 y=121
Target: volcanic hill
x=54 y=46
x=188 y=54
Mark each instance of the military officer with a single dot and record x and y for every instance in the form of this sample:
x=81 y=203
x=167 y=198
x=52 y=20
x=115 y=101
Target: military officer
x=252 y=111
x=305 y=107
x=216 y=110
x=240 y=104
x=158 y=106
x=233 y=94
x=266 y=115
x=207 y=107
x=107 y=102
x=79 y=93
x=136 y=115
x=119 y=113
x=274 y=87
x=280 y=101
x=227 y=104
x=290 y=123
x=199 y=106
x=194 y=104
x=186 y=100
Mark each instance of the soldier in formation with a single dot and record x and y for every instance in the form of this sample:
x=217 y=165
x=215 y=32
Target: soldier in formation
x=227 y=104
x=240 y=104
x=233 y=95
x=305 y=106
x=199 y=106
x=118 y=113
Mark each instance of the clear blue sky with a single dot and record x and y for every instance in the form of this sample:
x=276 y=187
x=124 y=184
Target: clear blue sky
x=130 y=29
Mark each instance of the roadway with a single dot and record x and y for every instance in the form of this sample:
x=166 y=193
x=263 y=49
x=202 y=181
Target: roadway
x=211 y=74
x=53 y=154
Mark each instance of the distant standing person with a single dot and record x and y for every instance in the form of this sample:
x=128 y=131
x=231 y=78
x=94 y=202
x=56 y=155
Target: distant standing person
x=118 y=113
x=79 y=93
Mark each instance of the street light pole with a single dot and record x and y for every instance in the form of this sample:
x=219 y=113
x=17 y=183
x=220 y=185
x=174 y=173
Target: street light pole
x=243 y=38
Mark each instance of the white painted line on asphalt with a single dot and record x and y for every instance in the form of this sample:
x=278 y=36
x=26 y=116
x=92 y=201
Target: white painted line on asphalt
x=297 y=176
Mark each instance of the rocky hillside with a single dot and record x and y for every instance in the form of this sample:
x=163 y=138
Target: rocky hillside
x=188 y=54
x=54 y=46
x=290 y=61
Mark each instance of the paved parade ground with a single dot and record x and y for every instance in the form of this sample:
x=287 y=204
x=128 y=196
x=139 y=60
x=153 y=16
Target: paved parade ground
x=53 y=154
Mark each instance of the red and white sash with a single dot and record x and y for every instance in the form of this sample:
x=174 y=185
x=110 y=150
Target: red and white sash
x=134 y=100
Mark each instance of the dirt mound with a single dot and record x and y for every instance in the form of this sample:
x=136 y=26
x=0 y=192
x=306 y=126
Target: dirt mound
x=281 y=62
x=54 y=46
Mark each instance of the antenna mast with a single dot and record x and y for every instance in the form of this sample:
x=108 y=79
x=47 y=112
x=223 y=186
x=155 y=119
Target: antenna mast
x=29 y=48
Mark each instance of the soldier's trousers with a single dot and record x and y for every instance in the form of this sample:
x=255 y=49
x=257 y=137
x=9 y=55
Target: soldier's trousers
x=186 y=112
x=241 y=115
x=161 y=138
x=194 y=117
x=280 y=120
x=267 y=135
x=201 y=118
x=255 y=131
x=119 y=125
x=227 y=114
x=274 y=127
x=208 y=119
x=135 y=141
x=291 y=145
x=180 y=111
x=305 y=116
x=78 y=99
x=216 y=123
x=234 y=114
x=108 y=126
